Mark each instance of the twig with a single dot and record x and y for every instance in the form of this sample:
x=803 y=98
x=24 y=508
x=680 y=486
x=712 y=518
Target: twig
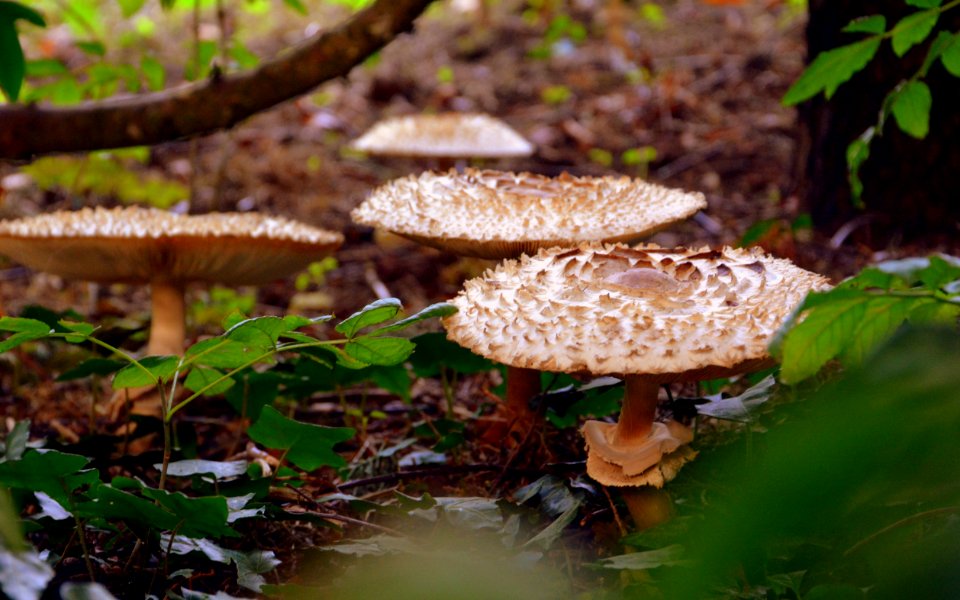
x=442 y=470
x=905 y=521
x=373 y=280
x=338 y=517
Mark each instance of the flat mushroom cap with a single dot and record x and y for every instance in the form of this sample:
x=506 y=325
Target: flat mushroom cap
x=448 y=135
x=670 y=314
x=136 y=244
x=496 y=214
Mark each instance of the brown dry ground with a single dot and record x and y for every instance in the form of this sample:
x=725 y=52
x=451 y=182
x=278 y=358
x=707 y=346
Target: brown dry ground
x=703 y=89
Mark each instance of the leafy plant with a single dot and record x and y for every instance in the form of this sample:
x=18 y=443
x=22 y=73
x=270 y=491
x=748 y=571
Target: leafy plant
x=12 y=64
x=848 y=322
x=910 y=101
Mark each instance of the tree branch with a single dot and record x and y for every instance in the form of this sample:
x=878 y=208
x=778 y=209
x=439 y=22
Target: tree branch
x=207 y=106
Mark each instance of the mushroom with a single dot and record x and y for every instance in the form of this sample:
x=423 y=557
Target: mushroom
x=496 y=215
x=444 y=137
x=166 y=250
x=646 y=314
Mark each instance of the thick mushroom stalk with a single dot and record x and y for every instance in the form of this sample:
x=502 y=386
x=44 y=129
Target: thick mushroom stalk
x=168 y=326
x=635 y=443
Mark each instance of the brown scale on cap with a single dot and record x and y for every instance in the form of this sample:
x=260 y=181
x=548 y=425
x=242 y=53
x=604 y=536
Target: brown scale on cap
x=646 y=314
x=448 y=135
x=496 y=214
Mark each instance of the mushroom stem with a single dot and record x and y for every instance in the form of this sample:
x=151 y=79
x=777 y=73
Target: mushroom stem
x=522 y=384
x=639 y=409
x=168 y=328
x=648 y=506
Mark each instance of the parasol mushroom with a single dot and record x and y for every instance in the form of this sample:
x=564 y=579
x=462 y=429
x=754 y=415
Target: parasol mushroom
x=444 y=137
x=496 y=215
x=166 y=250
x=647 y=314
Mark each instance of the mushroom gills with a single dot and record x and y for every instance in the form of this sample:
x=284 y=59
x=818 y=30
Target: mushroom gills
x=637 y=456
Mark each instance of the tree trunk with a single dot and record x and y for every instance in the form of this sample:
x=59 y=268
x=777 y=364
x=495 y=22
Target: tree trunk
x=911 y=187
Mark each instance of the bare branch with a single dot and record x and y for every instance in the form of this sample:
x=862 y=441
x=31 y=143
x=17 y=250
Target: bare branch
x=211 y=105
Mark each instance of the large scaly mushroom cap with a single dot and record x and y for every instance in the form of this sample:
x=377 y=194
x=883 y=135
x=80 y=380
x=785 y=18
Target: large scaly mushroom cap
x=495 y=214
x=676 y=314
x=649 y=314
x=136 y=244
x=448 y=135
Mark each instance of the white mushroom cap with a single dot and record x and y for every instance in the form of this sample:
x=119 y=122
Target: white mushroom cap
x=136 y=244
x=671 y=314
x=496 y=214
x=448 y=135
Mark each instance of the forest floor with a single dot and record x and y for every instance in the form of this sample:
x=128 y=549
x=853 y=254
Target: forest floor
x=702 y=88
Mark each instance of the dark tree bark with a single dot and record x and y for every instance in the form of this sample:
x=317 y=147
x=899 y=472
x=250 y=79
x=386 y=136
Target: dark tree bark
x=911 y=187
x=208 y=106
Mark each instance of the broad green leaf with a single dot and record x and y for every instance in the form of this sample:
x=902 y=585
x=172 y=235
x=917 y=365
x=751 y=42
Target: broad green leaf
x=372 y=314
x=46 y=67
x=438 y=311
x=196 y=517
x=913 y=29
x=820 y=337
x=934 y=313
x=870 y=24
x=308 y=446
x=201 y=377
x=54 y=473
x=22 y=325
x=942 y=270
x=107 y=502
x=433 y=352
x=671 y=556
x=130 y=7
x=151 y=370
x=830 y=69
x=911 y=108
x=219 y=469
x=394 y=378
x=221 y=353
x=924 y=3
x=153 y=73
x=882 y=318
x=738 y=408
x=943 y=40
x=384 y=351
x=552 y=532
x=92 y=366
x=951 y=56
x=258 y=333
x=83 y=330
x=12 y=67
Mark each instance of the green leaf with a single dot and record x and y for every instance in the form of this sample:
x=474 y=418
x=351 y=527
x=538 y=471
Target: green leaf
x=296 y=5
x=913 y=29
x=383 y=351
x=130 y=7
x=372 y=314
x=433 y=351
x=219 y=469
x=54 y=473
x=92 y=366
x=308 y=446
x=394 y=378
x=671 y=556
x=221 y=353
x=882 y=318
x=911 y=108
x=830 y=69
x=924 y=3
x=438 y=310
x=107 y=502
x=951 y=56
x=150 y=370
x=258 y=334
x=871 y=24
x=738 y=408
x=12 y=67
x=83 y=330
x=201 y=377
x=941 y=270
x=857 y=153
x=22 y=325
x=252 y=392
x=820 y=337
x=196 y=517
x=153 y=73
